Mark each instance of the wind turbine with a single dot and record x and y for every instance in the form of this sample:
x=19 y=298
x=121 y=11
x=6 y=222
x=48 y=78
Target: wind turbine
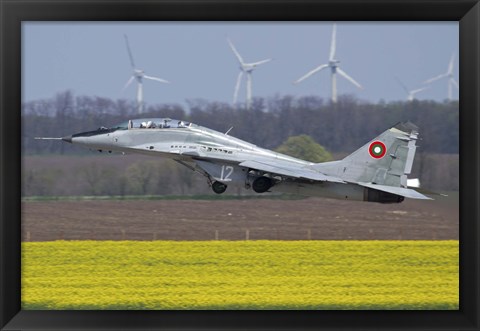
x=246 y=68
x=410 y=93
x=139 y=75
x=334 y=68
x=449 y=75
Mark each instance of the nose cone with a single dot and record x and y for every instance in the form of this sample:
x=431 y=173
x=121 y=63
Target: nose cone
x=68 y=139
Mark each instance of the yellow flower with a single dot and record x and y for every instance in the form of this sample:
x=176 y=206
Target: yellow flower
x=240 y=275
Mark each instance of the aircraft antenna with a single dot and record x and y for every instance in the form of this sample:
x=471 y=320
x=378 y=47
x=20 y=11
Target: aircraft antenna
x=226 y=133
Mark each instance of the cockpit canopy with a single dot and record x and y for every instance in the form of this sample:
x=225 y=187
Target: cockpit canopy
x=152 y=123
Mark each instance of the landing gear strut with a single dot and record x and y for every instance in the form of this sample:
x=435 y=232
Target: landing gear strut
x=262 y=184
x=218 y=187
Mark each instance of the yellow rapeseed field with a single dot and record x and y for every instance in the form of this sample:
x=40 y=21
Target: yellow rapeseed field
x=240 y=275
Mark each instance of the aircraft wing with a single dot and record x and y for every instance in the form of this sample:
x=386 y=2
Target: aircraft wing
x=290 y=171
x=405 y=192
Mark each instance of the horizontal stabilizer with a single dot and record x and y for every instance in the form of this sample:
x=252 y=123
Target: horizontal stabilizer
x=404 y=192
x=424 y=191
x=285 y=170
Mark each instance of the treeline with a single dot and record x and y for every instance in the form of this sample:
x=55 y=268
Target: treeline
x=108 y=175
x=340 y=127
x=124 y=175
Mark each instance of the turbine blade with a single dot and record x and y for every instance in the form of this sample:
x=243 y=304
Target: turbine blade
x=237 y=87
x=450 y=64
x=419 y=90
x=156 y=79
x=350 y=79
x=259 y=62
x=140 y=97
x=308 y=74
x=402 y=85
x=333 y=45
x=128 y=82
x=431 y=80
x=129 y=51
x=454 y=82
x=237 y=54
x=249 y=90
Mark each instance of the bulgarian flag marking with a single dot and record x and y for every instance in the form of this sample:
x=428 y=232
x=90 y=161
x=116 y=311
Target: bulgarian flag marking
x=377 y=149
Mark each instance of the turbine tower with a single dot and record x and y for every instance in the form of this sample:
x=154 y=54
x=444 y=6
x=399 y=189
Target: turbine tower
x=410 y=93
x=334 y=68
x=449 y=75
x=139 y=75
x=246 y=68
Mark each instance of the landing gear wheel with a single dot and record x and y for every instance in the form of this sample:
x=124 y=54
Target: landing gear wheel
x=262 y=184
x=218 y=187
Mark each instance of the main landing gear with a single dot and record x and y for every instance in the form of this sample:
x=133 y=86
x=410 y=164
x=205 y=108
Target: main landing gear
x=218 y=187
x=262 y=184
x=259 y=185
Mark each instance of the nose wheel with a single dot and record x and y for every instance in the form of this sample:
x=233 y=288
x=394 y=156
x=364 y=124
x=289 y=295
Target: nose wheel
x=218 y=187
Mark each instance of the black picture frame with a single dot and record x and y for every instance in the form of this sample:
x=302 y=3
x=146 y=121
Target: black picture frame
x=13 y=12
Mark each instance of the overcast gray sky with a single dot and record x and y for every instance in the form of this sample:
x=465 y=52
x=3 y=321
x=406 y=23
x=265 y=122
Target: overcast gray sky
x=91 y=58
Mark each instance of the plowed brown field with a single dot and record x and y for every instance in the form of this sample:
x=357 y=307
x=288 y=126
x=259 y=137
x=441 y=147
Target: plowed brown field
x=311 y=218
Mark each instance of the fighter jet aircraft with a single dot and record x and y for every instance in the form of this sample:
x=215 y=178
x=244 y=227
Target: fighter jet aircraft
x=376 y=172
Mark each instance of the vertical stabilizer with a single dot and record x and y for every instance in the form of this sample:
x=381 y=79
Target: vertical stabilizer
x=385 y=160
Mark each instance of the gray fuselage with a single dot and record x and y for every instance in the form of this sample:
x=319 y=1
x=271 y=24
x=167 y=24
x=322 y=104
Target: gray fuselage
x=221 y=158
